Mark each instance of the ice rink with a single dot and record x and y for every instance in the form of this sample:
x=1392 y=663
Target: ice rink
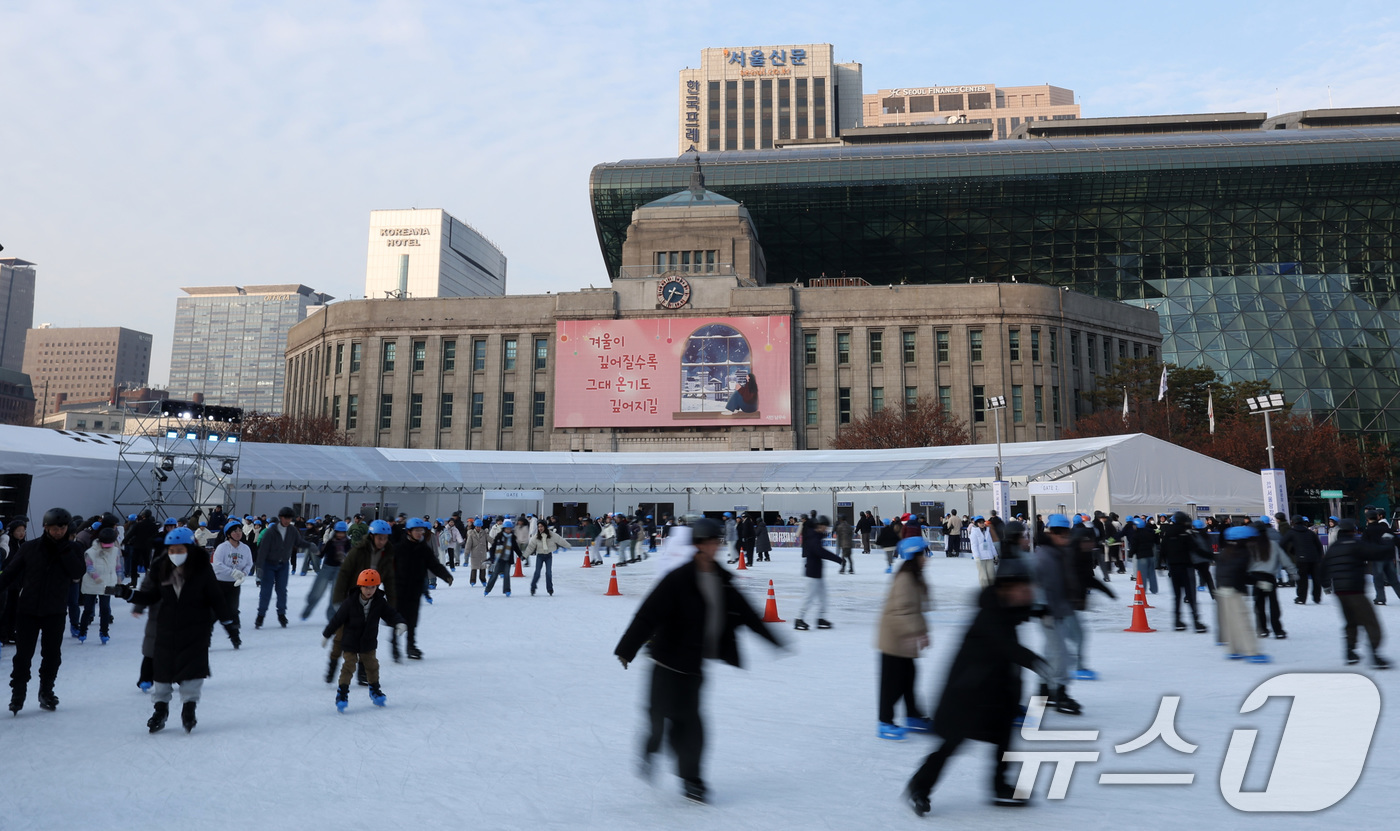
x=520 y=717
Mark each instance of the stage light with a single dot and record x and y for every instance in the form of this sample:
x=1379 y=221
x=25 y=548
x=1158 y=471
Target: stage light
x=172 y=434
x=167 y=463
x=191 y=436
x=227 y=466
x=161 y=477
x=232 y=440
x=213 y=437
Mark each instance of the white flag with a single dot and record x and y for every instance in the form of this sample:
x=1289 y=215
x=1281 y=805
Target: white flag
x=1210 y=410
x=1125 y=405
x=1162 y=386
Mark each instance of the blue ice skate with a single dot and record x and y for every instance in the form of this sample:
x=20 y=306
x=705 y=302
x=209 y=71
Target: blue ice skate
x=1086 y=675
x=918 y=725
x=1261 y=658
x=377 y=696
x=892 y=732
x=104 y=639
x=1235 y=656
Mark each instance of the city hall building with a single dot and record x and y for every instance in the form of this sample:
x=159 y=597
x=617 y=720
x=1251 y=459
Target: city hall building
x=694 y=346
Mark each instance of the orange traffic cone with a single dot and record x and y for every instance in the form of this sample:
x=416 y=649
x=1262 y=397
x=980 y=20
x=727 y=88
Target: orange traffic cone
x=1138 y=577
x=770 y=609
x=587 y=558
x=518 y=571
x=1139 y=609
x=612 y=585
x=741 y=567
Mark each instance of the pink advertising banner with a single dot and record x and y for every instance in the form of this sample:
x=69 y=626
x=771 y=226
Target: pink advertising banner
x=673 y=372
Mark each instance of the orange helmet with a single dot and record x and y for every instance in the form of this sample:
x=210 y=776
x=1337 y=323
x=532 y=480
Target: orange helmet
x=368 y=577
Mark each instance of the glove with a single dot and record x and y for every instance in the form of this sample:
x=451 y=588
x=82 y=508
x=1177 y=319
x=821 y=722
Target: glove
x=623 y=661
x=448 y=580
x=237 y=575
x=121 y=590
x=325 y=642
x=400 y=629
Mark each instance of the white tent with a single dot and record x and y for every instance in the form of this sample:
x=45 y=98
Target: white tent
x=1129 y=474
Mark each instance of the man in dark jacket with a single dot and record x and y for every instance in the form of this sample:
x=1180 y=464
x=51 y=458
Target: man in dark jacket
x=1302 y=544
x=691 y=615
x=1378 y=533
x=1177 y=547
x=1142 y=547
x=413 y=559
x=277 y=550
x=143 y=542
x=1347 y=562
x=981 y=699
x=812 y=555
x=44 y=568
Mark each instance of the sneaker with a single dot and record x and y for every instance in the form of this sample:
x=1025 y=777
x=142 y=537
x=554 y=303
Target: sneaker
x=156 y=722
x=800 y=625
x=918 y=725
x=891 y=732
x=823 y=624
x=918 y=802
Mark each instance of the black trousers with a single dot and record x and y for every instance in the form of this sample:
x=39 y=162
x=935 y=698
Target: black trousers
x=926 y=777
x=45 y=631
x=1261 y=618
x=675 y=697
x=954 y=545
x=1310 y=572
x=1183 y=585
x=896 y=682
x=1203 y=577
x=408 y=607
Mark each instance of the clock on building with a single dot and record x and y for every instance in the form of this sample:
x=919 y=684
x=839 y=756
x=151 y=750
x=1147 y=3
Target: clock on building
x=673 y=292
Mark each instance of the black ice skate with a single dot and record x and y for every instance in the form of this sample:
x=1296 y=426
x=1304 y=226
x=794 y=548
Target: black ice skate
x=187 y=716
x=156 y=722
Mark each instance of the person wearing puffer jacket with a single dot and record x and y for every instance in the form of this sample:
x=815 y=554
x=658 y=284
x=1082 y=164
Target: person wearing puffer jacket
x=902 y=635
x=475 y=552
x=1264 y=567
x=203 y=535
x=543 y=545
x=233 y=561
x=104 y=569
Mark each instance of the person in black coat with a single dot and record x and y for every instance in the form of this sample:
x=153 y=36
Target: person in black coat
x=17 y=530
x=691 y=615
x=357 y=620
x=413 y=559
x=812 y=535
x=189 y=598
x=1347 y=562
x=1177 y=547
x=44 y=569
x=981 y=699
x=143 y=542
x=1303 y=545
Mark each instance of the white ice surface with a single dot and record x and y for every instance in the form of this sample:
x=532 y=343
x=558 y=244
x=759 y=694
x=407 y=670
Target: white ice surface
x=520 y=717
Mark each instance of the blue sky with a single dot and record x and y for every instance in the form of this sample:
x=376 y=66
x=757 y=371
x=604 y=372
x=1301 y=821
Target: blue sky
x=148 y=146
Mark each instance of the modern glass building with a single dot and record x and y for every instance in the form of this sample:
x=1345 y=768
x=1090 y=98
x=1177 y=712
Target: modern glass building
x=1268 y=253
x=229 y=343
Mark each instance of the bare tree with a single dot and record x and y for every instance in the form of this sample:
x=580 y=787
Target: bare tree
x=290 y=429
x=926 y=424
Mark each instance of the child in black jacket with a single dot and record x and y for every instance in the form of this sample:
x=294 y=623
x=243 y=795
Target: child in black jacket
x=360 y=617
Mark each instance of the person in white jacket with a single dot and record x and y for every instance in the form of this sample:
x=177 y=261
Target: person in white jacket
x=203 y=535
x=543 y=545
x=984 y=551
x=104 y=570
x=233 y=561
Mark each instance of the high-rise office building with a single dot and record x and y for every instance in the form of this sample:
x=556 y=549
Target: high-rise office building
x=84 y=364
x=229 y=342
x=430 y=253
x=749 y=97
x=16 y=309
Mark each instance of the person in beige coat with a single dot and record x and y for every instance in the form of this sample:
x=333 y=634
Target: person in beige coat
x=474 y=551
x=903 y=634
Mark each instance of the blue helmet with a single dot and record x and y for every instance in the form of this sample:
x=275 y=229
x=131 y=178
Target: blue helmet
x=1198 y=524
x=1241 y=532
x=257 y=523
x=476 y=522
x=180 y=536
x=415 y=522
x=171 y=521
x=131 y=517
x=728 y=515
x=232 y=524
x=341 y=526
x=911 y=547
x=203 y=524
x=510 y=523
x=96 y=525
x=1057 y=521
x=379 y=526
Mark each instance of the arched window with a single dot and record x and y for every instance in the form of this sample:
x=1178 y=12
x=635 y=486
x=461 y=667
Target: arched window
x=716 y=362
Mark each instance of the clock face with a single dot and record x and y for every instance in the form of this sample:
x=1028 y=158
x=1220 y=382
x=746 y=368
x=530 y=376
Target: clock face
x=673 y=292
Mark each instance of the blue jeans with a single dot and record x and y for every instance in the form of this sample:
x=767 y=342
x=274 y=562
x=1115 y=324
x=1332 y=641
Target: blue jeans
x=1147 y=567
x=547 y=562
x=1382 y=572
x=274 y=575
x=325 y=578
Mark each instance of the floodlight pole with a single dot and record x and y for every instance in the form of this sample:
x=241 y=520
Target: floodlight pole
x=998 y=426
x=1269 y=438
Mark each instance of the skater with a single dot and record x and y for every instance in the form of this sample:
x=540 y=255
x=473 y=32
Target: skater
x=543 y=545
x=233 y=560
x=44 y=568
x=15 y=533
x=1231 y=569
x=355 y=626
x=691 y=615
x=813 y=554
x=982 y=696
x=1383 y=573
x=413 y=560
x=1346 y=564
x=183 y=584
x=373 y=552
x=952 y=527
x=275 y=557
x=1054 y=575
x=1268 y=560
x=1177 y=551
x=475 y=552
x=984 y=552
x=1303 y=545
x=731 y=537
x=886 y=541
x=333 y=553
x=864 y=526
x=746 y=541
x=504 y=550
x=844 y=545
x=1142 y=547
x=902 y=635
x=763 y=543
x=1202 y=555
x=104 y=569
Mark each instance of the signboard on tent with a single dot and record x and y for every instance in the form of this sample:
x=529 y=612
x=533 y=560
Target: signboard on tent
x=1275 y=492
x=1001 y=498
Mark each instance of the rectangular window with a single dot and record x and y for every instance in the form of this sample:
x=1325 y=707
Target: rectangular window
x=811 y=408
x=1137 y=350
x=1122 y=350
x=335 y=412
x=1035 y=345
x=508 y=359
x=907 y=339
x=979 y=404
x=809 y=347
x=941 y=339
x=1039 y=404
x=478 y=409
x=877 y=347
x=415 y=411
x=1055 y=403
x=507 y=410
x=765 y=114
x=749 y=116
x=478 y=354
x=420 y=355
x=1107 y=353
x=1089 y=349
x=877 y=399
x=731 y=115
x=1013 y=344
x=339 y=357
x=1073 y=348
x=800 y=108
x=356 y=355
x=818 y=108
x=445 y=412
x=390 y=352
x=1054 y=347
x=1018 y=404
x=352 y=412
x=784 y=109
x=449 y=355
x=539 y=409
x=974 y=343
x=386 y=410
x=1152 y=352
x=712 y=125
x=843 y=405
x=843 y=347
x=541 y=353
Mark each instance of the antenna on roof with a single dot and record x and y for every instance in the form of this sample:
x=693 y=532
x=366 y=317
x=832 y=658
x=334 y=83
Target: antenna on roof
x=697 y=180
